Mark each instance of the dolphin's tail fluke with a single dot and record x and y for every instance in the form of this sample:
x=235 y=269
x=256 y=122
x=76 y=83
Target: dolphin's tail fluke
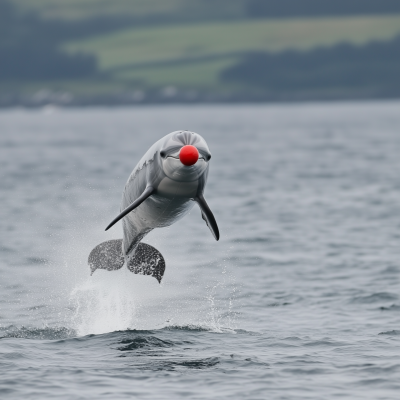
x=146 y=261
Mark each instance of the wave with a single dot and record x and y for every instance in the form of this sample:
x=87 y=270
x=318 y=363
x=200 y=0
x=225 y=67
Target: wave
x=46 y=333
x=375 y=297
x=142 y=337
x=391 y=333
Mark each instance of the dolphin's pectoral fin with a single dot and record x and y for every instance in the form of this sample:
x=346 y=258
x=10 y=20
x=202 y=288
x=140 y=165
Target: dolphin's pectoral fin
x=147 y=193
x=107 y=255
x=208 y=216
x=147 y=261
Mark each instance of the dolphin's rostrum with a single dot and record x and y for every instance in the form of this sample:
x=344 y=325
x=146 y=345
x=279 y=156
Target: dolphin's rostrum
x=161 y=189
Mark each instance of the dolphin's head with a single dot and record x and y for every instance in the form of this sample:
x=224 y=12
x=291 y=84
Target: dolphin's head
x=184 y=156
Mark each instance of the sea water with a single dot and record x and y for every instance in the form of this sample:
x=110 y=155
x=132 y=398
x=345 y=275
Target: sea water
x=298 y=300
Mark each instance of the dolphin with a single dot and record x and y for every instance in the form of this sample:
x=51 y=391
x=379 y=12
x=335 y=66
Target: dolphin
x=161 y=189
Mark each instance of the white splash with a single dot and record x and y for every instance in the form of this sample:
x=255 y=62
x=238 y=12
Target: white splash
x=103 y=304
x=119 y=300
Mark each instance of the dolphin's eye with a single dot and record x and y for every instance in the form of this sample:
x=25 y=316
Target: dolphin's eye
x=162 y=153
x=208 y=157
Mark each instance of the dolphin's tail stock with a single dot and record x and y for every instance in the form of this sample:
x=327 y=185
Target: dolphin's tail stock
x=108 y=255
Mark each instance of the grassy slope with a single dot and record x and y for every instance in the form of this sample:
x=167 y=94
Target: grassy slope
x=193 y=54
x=80 y=9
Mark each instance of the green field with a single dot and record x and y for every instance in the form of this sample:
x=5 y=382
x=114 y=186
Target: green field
x=186 y=44
x=194 y=54
x=81 y=9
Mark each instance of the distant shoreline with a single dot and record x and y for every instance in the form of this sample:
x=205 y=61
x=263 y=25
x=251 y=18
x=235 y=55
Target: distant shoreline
x=124 y=99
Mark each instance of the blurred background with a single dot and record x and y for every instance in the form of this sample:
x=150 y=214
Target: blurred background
x=300 y=299
x=88 y=52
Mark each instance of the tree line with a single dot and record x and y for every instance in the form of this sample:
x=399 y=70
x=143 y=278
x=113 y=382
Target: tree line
x=374 y=66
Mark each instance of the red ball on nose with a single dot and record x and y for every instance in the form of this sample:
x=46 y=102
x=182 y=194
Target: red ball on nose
x=188 y=155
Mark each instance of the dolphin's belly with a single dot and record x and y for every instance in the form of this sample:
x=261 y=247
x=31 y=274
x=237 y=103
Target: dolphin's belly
x=159 y=211
x=171 y=188
x=171 y=202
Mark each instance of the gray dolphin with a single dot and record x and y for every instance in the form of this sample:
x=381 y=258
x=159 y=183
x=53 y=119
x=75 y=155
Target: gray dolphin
x=162 y=189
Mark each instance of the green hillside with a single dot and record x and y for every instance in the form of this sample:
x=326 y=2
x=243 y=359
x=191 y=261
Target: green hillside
x=204 y=9
x=97 y=50
x=176 y=9
x=194 y=54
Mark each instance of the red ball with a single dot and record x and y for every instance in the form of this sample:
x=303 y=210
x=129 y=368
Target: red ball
x=188 y=155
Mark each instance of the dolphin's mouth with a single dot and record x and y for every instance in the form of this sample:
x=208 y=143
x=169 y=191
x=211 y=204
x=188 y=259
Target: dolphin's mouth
x=176 y=170
x=177 y=158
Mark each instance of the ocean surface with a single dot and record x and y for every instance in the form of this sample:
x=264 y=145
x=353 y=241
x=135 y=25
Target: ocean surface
x=300 y=299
